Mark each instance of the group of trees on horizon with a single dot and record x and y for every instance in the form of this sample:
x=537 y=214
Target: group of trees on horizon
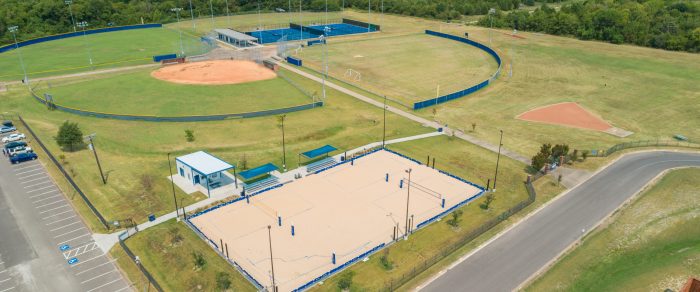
x=666 y=24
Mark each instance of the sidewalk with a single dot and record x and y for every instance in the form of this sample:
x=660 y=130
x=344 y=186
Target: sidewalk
x=410 y=116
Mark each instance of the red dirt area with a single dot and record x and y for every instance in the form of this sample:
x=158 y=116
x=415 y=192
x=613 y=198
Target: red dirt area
x=566 y=114
x=214 y=72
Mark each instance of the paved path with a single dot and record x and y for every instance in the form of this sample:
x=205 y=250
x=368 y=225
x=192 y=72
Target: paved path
x=95 y=72
x=44 y=246
x=514 y=256
x=411 y=116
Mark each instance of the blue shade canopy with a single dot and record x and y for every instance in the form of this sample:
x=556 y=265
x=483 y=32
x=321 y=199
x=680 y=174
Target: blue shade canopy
x=260 y=170
x=319 y=151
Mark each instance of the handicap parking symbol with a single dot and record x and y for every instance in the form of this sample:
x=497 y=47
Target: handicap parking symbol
x=72 y=261
x=64 y=247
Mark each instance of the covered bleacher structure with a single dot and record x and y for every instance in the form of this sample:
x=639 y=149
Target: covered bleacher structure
x=318 y=158
x=235 y=38
x=258 y=178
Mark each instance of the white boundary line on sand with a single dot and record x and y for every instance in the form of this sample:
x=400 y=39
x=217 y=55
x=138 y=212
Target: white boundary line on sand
x=563 y=194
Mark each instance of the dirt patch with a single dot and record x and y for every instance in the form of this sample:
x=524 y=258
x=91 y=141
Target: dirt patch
x=566 y=114
x=214 y=72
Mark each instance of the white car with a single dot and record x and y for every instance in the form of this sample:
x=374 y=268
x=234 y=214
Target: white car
x=18 y=150
x=13 y=138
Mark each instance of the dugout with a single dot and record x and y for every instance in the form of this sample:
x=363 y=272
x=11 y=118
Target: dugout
x=202 y=168
x=235 y=38
x=258 y=178
x=318 y=158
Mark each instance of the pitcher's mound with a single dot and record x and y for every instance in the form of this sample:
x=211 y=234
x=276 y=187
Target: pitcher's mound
x=214 y=72
x=571 y=114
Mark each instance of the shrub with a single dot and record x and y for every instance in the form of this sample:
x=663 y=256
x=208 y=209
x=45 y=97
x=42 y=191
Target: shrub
x=199 y=261
x=455 y=219
x=384 y=260
x=189 y=135
x=487 y=203
x=223 y=281
x=345 y=280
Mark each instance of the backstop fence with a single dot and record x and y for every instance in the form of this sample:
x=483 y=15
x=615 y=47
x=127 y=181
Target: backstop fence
x=467 y=91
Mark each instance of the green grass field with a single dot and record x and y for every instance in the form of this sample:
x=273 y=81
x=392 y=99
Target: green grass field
x=651 y=245
x=112 y=49
x=406 y=68
x=137 y=93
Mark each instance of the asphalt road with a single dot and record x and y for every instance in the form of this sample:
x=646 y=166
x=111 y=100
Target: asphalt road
x=508 y=261
x=44 y=245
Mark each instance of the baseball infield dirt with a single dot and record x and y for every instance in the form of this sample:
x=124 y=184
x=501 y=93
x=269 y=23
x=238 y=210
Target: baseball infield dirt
x=217 y=72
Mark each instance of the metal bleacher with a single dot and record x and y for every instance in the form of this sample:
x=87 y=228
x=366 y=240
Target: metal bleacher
x=261 y=184
x=321 y=164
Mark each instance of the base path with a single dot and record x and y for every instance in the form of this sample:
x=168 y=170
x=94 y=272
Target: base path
x=423 y=121
x=530 y=246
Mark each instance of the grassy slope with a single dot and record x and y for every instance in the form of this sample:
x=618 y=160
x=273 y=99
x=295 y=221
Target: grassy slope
x=651 y=245
x=407 y=68
x=172 y=264
x=129 y=150
x=460 y=158
x=70 y=55
x=140 y=94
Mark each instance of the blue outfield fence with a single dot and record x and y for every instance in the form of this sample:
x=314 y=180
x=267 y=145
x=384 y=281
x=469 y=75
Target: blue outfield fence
x=470 y=90
x=75 y=34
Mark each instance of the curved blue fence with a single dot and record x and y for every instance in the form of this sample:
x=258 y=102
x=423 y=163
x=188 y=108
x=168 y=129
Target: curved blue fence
x=470 y=90
x=75 y=34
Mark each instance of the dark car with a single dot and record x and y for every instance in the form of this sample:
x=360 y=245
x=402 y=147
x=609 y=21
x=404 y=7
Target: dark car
x=15 y=144
x=7 y=124
x=22 y=157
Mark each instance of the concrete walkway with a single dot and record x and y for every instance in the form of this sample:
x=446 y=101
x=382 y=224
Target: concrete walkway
x=81 y=74
x=107 y=241
x=410 y=116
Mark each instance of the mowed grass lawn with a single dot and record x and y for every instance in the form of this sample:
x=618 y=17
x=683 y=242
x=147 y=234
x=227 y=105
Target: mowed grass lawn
x=134 y=154
x=651 y=245
x=138 y=93
x=112 y=49
x=407 y=68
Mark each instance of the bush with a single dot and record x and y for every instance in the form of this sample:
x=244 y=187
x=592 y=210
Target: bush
x=384 y=260
x=345 y=280
x=487 y=203
x=189 y=135
x=223 y=281
x=199 y=261
x=455 y=219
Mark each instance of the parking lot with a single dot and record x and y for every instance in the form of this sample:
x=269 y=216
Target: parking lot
x=44 y=245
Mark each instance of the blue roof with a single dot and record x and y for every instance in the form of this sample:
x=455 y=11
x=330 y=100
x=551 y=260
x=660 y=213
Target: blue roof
x=319 y=151
x=263 y=169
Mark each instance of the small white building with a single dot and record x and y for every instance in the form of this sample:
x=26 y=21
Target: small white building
x=201 y=168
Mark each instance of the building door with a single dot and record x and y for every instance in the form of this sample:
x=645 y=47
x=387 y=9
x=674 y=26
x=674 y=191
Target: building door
x=182 y=172
x=196 y=179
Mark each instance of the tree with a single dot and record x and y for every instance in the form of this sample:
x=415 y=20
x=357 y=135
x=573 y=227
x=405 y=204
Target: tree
x=384 y=260
x=574 y=156
x=542 y=157
x=584 y=154
x=559 y=150
x=473 y=127
x=455 y=218
x=189 y=135
x=223 y=281
x=487 y=202
x=345 y=280
x=199 y=261
x=69 y=136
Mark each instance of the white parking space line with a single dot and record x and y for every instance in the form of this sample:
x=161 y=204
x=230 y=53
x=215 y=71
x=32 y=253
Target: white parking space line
x=93 y=278
x=47 y=198
x=69 y=232
x=44 y=193
x=31 y=175
x=1 y=281
x=85 y=261
x=25 y=166
x=34 y=190
x=59 y=220
x=80 y=250
x=64 y=226
x=34 y=179
x=8 y=289
x=74 y=238
x=122 y=289
x=49 y=210
x=98 y=287
x=29 y=171
x=3 y=271
x=95 y=267
x=64 y=212
x=49 y=204
x=38 y=184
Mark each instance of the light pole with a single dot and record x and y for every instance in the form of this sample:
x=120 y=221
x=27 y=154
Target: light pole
x=211 y=8
x=13 y=30
x=326 y=15
x=491 y=12
x=228 y=15
x=289 y=10
x=272 y=263
x=177 y=13
x=280 y=119
x=194 y=23
x=83 y=25
x=70 y=9
x=172 y=181
x=384 y=131
x=369 y=15
x=94 y=151
x=408 y=198
x=500 y=143
x=325 y=59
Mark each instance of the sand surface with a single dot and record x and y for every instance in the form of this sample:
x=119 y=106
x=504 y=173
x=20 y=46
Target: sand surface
x=214 y=72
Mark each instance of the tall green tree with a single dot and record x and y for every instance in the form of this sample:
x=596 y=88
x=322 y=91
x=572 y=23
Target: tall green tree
x=69 y=136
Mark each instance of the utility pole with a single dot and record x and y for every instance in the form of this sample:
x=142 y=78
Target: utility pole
x=83 y=25
x=194 y=23
x=280 y=119
x=408 y=198
x=384 y=131
x=497 y=161
x=172 y=181
x=272 y=263
x=94 y=151
x=13 y=30
x=177 y=13
x=70 y=9
x=369 y=15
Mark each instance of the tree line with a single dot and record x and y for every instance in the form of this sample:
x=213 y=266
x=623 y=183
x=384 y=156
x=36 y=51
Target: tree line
x=664 y=24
